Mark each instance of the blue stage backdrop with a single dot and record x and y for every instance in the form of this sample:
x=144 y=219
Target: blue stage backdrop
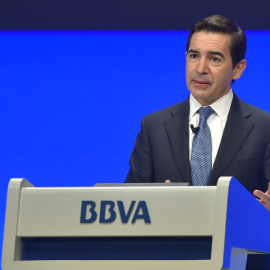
x=71 y=102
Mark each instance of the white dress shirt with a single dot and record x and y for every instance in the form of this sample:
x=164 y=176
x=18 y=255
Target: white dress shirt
x=216 y=121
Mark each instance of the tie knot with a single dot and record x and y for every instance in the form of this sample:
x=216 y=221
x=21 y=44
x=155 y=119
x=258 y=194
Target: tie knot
x=205 y=112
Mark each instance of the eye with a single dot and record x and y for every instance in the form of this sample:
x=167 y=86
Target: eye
x=216 y=59
x=193 y=56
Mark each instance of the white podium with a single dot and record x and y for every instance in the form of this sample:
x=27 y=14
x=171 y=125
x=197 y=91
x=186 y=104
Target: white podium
x=115 y=228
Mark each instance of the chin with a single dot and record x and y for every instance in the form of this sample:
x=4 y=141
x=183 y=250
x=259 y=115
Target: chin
x=202 y=94
x=203 y=99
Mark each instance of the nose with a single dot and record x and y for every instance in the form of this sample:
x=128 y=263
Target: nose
x=202 y=66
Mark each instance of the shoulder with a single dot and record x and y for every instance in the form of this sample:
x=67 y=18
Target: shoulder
x=181 y=108
x=155 y=122
x=252 y=111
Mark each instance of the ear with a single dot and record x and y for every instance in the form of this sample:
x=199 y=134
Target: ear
x=239 y=69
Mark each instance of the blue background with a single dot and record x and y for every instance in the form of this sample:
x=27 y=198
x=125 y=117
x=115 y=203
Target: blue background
x=71 y=102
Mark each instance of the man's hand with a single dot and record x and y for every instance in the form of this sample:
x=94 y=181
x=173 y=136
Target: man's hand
x=264 y=198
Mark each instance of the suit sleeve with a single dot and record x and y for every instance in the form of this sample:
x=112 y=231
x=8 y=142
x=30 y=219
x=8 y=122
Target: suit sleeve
x=141 y=159
x=267 y=165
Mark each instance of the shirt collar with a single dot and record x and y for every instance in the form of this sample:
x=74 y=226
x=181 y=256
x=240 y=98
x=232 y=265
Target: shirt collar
x=220 y=106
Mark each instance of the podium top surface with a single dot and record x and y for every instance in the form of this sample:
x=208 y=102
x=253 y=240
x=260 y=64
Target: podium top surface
x=179 y=184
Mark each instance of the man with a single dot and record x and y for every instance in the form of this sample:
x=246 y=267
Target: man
x=168 y=146
x=240 y=133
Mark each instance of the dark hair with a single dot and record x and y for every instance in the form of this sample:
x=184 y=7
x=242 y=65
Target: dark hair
x=221 y=24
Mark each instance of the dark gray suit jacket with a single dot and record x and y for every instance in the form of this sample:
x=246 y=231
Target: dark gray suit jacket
x=161 y=149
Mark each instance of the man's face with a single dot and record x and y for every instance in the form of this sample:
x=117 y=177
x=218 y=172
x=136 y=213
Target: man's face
x=209 y=69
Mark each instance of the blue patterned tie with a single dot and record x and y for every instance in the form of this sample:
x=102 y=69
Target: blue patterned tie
x=201 y=153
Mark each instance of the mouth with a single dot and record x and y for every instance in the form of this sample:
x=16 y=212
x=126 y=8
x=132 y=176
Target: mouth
x=201 y=83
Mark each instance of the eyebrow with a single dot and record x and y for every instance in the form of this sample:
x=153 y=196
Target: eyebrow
x=210 y=52
x=192 y=51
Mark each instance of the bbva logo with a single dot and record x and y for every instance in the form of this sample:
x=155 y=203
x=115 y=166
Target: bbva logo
x=107 y=213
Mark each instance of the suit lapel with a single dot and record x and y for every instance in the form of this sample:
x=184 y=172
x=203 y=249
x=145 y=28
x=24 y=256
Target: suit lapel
x=177 y=131
x=236 y=131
